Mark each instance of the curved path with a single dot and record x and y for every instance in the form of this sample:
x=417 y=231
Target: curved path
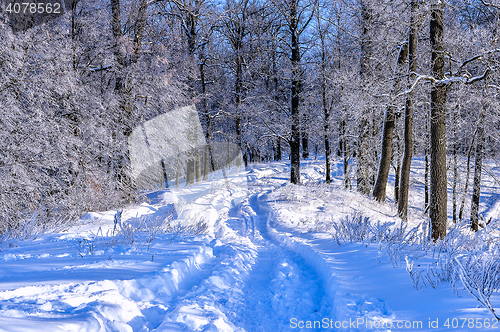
x=257 y=284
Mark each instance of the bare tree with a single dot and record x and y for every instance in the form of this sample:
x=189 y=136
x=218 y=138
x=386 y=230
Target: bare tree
x=439 y=185
x=297 y=14
x=389 y=121
x=409 y=107
x=476 y=190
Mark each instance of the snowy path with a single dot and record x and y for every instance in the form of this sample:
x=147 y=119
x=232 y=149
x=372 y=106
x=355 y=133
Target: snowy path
x=257 y=284
x=261 y=267
x=281 y=285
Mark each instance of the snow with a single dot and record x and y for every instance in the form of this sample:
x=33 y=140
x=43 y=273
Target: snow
x=266 y=262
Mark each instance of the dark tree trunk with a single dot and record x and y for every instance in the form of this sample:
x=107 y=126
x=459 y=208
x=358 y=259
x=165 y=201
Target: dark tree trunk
x=385 y=156
x=238 y=89
x=279 y=152
x=455 y=167
x=466 y=188
x=305 y=137
x=397 y=178
x=208 y=165
x=295 y=90
x=426 y=160
x=74 y=33
x=326 y=128
x=164 y=169
x=326 y=109
x=344 y=153
x=439 y=91
x=116 y=28
x=426 y=180
x=476 y=190
x=404 y=185
x=139 y=28
x=386 y=151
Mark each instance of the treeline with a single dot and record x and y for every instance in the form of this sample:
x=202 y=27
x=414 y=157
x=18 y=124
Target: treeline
x=373 y=82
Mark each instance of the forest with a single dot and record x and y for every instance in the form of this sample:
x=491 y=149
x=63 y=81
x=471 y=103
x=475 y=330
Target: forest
x=372 y=83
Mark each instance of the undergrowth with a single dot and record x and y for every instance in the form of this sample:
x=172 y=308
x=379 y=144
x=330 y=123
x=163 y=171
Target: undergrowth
x=465 y=256
x=143 y=232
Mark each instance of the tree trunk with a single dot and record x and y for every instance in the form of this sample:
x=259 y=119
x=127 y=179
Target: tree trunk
x=190 y=171
x=177 y=173
x=164 y=169
x=207 y=164
x=139 y=28
x=344 y=152
x=279 y=153
x=386 y=149
x=198 y=165
x=404 y=185
x=326 y=109
x=326 y=128
x=439 y=91
x=116 y=28
x=466 y=189
x=238 y=91
x=123 y=115
x=455 y=167
x=476 y=191
x=295 y=90
x=364 y=167
x=305 y=137
x=397 y=177
x=426 y=160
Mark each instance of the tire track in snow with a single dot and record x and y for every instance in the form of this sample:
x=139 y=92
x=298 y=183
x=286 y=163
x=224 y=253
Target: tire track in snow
x=281 y=285
x=257 y=284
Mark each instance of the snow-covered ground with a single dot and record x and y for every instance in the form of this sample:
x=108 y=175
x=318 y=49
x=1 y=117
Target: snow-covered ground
x=264 y=259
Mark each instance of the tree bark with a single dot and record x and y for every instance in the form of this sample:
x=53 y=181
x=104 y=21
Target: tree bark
x=404 y=185
x=116 y=28
x=206 y=159
x=466 y=189
x=190 y=170
x=198 y=165
x=397 y=176
x=279 y=153
x=326 y=128
x=476 y=190
x=344 y=152
x=164 y=169
x=295 y=90
x=455 y=167
x=426 y=160
x=379 y=189
x=139 y=28
x=305 y=137
x=438 y=193
x=324 y=102
x=238 y=84
x=363 y=170
x=123 y=117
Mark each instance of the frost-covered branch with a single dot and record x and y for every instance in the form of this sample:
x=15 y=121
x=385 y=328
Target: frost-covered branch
x=465 y=79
